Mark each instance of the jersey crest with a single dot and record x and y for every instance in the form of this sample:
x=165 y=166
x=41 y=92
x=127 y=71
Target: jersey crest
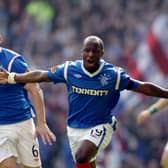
x=104 y=78
x=53 y=69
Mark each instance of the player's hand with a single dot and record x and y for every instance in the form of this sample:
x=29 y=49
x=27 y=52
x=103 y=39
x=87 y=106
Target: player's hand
x=45 y=133
x=143 y=116
x=3 y=76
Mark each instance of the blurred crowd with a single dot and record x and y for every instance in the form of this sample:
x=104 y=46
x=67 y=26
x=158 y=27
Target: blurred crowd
x=49 y=32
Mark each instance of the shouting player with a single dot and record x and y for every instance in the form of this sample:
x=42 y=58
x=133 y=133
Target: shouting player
x=94 y=87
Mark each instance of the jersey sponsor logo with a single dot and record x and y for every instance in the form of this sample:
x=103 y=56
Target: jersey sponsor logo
x=53 y=69
x=91 y=92
x=104 y=78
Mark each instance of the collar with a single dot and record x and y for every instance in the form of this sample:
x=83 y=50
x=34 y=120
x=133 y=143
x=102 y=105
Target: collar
x=102 y=62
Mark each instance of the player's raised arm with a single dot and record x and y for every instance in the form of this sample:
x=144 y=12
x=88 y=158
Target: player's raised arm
x=151 y=89
x=28 y=77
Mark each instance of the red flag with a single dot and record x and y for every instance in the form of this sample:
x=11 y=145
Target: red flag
x=152 y=55
x=150 y=60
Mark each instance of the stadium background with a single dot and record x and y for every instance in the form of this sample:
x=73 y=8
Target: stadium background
x=50 y=32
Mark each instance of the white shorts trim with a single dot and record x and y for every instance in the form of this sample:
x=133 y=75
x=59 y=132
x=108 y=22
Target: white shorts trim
x=100 y=135
x=18 y=140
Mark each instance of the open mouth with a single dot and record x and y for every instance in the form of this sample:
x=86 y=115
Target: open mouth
x=90 y=61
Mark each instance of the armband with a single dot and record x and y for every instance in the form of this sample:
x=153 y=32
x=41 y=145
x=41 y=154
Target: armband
x=11 y=79
x=152 y=110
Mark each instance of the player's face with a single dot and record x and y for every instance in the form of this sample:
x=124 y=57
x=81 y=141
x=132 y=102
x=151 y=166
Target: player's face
x=92 y=54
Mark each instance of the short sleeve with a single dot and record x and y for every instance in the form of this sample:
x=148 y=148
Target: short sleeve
x=125 y=81
x=56 y=73
x=19 y=65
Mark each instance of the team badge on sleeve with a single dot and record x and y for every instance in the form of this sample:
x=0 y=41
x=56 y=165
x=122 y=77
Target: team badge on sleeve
x=53 y=69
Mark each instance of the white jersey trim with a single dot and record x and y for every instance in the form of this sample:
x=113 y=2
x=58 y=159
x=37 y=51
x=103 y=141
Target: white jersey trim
x=118 y=80
x=66 y=70
x=11 y=62
x=94 y=73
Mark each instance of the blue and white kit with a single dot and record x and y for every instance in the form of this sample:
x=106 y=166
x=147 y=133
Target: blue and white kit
x=19 y=108
x=92 y=96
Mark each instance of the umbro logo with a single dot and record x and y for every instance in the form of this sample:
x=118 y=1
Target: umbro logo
x=77 y=76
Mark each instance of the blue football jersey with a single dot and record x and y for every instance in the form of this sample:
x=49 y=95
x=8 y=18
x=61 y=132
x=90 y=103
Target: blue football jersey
x=14 y=103
x=92 y=96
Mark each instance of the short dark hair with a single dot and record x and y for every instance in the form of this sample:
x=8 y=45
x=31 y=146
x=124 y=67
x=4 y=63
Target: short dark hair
x=95 y=39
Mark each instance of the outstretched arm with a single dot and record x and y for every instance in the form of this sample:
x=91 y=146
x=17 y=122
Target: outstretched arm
x=151 y=89
x=145 y=115
x=33 y=76
x=28 y=77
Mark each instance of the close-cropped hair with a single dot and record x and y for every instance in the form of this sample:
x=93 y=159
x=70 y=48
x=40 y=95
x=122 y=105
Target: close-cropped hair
x=95 y=39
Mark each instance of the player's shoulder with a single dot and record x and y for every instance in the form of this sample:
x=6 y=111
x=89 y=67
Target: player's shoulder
x=76 y=63
x=9 y=52
x=111 y=68
x=10 y=55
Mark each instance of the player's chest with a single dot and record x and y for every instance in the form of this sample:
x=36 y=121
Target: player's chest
x=100 y=81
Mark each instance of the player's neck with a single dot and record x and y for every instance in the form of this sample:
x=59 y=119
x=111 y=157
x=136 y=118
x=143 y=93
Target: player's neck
x=92 y=69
